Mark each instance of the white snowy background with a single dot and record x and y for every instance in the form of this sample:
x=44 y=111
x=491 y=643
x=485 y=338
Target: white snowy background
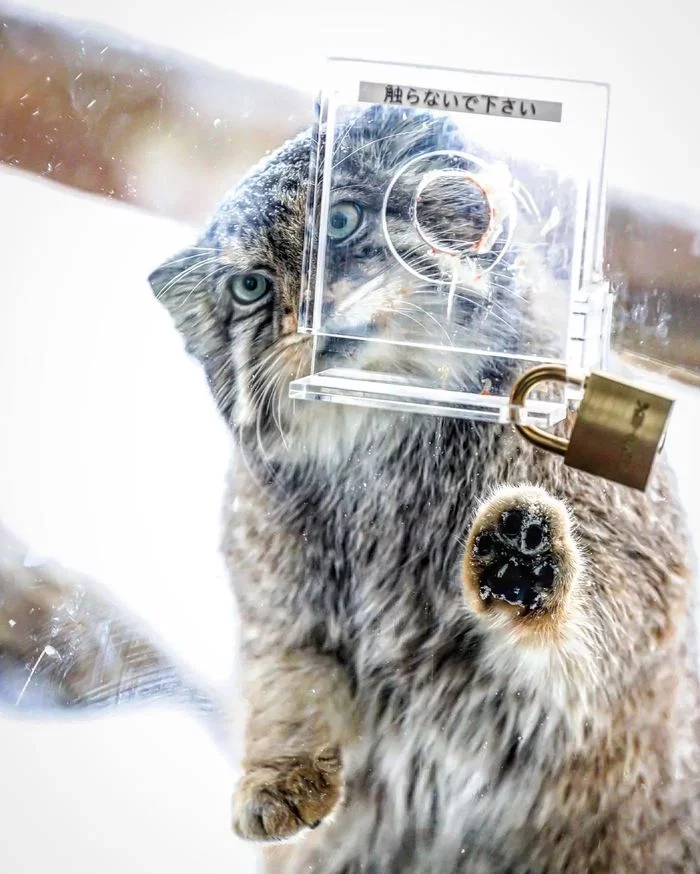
x=111 y=454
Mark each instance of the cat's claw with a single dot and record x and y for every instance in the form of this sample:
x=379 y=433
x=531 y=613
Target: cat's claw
x=278 y=798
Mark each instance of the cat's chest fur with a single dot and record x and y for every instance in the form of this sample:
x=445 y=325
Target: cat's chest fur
x=363 y=563
x=365 y=553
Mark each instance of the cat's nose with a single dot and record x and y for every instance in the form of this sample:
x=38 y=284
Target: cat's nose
x=342 y=319
x=464 y=310
x=336 y=349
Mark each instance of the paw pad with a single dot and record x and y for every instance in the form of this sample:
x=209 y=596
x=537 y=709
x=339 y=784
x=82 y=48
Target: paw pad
x=515 y=559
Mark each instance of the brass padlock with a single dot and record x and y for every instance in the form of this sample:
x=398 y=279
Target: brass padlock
x=619 y=430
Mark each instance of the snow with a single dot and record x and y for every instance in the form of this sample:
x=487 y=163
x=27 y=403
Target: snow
x=112 y=461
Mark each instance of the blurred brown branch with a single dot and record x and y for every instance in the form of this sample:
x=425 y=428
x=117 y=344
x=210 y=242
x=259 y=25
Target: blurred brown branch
x=96 y=111
x=654 y=247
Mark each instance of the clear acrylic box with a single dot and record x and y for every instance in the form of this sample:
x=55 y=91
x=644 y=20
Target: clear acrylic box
x=454 y=239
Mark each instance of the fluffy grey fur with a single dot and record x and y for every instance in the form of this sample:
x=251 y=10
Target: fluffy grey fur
x=431 y=729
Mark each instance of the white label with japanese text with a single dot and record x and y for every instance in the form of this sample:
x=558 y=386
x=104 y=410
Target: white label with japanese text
x=458 y=101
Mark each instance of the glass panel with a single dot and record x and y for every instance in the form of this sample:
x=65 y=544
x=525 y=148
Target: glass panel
x=456 y=219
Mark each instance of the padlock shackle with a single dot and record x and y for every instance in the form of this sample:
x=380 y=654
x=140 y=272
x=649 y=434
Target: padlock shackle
x=522 y=388
x=619 y=429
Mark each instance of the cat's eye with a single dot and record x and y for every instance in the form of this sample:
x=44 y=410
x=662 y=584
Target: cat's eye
x=249 y=287
x=343 y=220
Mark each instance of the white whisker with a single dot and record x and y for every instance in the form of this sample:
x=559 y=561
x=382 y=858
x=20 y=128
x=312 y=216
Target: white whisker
x=180 y=276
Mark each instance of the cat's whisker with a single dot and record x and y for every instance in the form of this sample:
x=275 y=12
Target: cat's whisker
x=407 y=302
x=209 y=276
x=399 y=312
x=275 y=392
x=184 y=273
x=367 y=145
x=199 y=254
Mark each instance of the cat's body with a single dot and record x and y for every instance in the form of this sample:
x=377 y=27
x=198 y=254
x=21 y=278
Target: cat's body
x=464 y=744
x=451 y=718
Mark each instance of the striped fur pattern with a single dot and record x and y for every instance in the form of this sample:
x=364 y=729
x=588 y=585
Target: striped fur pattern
x=399 y=721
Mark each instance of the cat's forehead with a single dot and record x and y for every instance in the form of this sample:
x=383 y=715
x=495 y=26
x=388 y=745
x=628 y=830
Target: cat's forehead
x=263 y=215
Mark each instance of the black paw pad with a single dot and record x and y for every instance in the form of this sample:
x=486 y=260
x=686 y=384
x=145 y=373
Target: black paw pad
x=516 y=559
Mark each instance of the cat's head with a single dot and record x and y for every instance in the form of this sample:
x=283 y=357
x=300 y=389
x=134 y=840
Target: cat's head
x=235 y=295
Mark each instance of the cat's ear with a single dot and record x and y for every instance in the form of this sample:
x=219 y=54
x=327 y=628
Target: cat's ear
x=180 y=275
x=187 y=286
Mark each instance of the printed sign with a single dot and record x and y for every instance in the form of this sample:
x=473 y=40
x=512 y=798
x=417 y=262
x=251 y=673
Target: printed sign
x=457 y=101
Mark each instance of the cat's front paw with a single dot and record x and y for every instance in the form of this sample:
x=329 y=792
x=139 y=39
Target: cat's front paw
x=521 y=553
x=277 y=798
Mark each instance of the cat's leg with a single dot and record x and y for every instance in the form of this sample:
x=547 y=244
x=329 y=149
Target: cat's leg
x=300 y=717
x=64 y=642
x=521 y=560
